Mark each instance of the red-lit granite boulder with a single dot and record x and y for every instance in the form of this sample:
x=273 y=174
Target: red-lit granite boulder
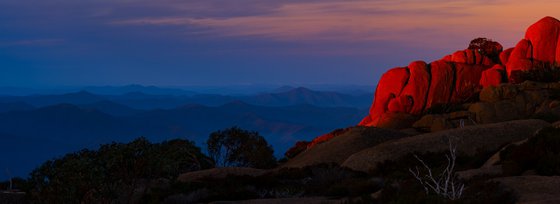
x=493 y=76
x=469 y=56
x=504 y=56
x=326 y=137
x=543 y=36
x=467 y=78
x=447 y=58
x=441 y=82
x=459 y=57
x=389 y=87
x=415 y=91
x=540 y=46
x=520 y=57
x=443 y=75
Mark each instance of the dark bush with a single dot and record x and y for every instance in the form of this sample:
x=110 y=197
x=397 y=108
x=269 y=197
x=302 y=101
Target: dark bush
x=487 y=47
x=240 y=148
x=112 y=173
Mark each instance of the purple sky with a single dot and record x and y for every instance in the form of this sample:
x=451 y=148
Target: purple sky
x=49 y=43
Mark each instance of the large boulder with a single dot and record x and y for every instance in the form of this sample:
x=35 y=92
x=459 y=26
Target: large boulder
x=472 y=140
x=219 y=173
x=467 y=78
x=439 y=122
x=307 y=200
x=389 y=87
x=504 y=56
x=443 y=74
x=414 y=89
x=541 y=44
x=493 y=76
x=414 y=93
x=338 y=149
x=520 y=59
x=544 y=36
x=533 y=189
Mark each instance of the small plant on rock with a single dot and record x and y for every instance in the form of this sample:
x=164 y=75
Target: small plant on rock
x=446 y=183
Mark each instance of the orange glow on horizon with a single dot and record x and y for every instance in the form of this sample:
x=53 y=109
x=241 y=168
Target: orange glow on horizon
x=415 y=23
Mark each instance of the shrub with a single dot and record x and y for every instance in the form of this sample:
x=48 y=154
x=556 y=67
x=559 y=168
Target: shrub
x=240 y=148
x=487 y=47
x=114 y=171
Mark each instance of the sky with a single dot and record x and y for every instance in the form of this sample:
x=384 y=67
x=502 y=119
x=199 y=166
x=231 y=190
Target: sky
x=51 y=43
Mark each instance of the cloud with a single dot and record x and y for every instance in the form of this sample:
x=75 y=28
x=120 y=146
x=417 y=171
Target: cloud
x=33 y=42
x=405 y=21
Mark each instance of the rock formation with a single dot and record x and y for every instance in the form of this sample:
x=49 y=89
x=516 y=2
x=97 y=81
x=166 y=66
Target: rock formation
x=481 y=84
x=405 y=93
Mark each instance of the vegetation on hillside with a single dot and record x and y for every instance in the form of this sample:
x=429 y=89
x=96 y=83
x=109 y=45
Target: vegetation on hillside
x=141 y=171
x=240 y=148
x=115 y=171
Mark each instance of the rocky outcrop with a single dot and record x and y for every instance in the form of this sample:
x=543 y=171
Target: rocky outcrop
x=533 y=189
x=219 y=173
x=307 y=200
x=487 y=85
x=341 y=147
x=458 y=78
x=472 y=140
x=412 y=90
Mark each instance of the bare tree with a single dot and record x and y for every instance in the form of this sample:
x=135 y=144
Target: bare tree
x=445 y=184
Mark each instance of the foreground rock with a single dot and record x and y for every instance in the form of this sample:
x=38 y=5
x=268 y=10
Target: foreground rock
x=472 y=140
x=338 y=149
x=308 y=200
x=533 y=189
x=219 y=173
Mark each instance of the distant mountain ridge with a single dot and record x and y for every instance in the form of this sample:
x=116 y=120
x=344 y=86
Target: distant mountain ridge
x=153 y=90
x=46 y=126
x=146 y=101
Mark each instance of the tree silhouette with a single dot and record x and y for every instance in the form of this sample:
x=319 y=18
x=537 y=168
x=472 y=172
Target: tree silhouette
x=487 y=47
x=114 y=171
x=240 y=148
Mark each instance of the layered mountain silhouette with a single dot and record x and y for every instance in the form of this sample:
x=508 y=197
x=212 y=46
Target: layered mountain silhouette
x=141 y=100
x=45 y=126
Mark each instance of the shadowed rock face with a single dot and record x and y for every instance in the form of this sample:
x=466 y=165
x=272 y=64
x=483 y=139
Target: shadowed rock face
x=456 y=78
